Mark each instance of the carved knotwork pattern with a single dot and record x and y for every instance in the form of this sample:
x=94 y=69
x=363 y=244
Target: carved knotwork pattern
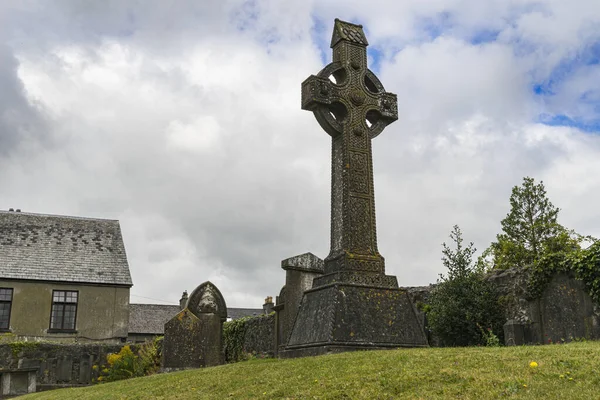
x=359 y=139
x=358 y=56
x=360 y=225
x=365 y=278
x=364 y=265
x=389 y=105
x=340 y=53
x=359 y=168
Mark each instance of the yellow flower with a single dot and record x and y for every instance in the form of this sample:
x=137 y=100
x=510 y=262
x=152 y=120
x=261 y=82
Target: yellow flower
x=524 y=385
x=562 y=376
x=100 y=379
x=533 y=364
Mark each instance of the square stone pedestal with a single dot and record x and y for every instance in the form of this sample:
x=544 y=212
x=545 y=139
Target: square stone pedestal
x=344 y=317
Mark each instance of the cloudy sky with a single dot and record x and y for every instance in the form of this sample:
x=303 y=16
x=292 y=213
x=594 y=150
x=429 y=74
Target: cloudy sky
x=182 y=119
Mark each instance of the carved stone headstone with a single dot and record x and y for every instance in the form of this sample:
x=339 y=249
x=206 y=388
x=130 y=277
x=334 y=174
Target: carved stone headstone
x=514 y=333
x=14 y=382
x=300 y=272
x=194 y=337
x=354 y=304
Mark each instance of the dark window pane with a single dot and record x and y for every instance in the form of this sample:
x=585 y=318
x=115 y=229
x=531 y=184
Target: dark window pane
x=4 y=314
x=69 y=323
x=56 y=319
x=64 y=309
x=72 y=297
x=6 y=294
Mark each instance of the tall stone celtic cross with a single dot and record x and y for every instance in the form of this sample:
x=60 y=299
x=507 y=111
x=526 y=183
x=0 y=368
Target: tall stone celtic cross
x=351 y=105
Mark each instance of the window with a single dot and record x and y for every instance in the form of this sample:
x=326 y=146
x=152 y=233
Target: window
x=64 y=310
x=5 y=303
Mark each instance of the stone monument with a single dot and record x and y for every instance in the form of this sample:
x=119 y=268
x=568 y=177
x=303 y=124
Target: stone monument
x=194 y=337
x=354 y=304
x=300 y=272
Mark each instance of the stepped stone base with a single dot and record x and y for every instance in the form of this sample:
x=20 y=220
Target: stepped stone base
x=345 y=317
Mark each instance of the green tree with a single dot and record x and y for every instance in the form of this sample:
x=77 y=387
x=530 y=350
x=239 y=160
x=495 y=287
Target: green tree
x=530 y=230
x=463 y=309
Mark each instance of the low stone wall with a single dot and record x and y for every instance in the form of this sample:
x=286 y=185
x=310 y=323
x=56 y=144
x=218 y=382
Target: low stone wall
x=259 y=337
x=563 y=312
x=58 y=365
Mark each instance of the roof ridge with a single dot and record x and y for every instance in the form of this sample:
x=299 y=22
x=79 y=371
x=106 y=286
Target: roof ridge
x=56 y=216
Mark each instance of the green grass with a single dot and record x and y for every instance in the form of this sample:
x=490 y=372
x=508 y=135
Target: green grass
x=567 y=371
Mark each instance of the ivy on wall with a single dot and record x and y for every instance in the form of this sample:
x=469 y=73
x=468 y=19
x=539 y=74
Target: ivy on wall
x=233 y=339
x=587 y=268
x=249 y=337
x=583 y=264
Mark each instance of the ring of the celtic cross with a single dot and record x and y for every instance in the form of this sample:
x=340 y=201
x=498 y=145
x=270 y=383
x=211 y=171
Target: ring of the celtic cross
x=332 y=116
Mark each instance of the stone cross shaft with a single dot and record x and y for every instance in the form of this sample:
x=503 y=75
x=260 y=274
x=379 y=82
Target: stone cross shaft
x=351 y=105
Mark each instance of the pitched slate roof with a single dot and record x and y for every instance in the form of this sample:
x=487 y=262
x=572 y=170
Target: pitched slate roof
x=236 y=313
x=63 y=249
x=151 y=318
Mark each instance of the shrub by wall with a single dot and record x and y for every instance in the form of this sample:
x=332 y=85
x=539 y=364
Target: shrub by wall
x=249 y=337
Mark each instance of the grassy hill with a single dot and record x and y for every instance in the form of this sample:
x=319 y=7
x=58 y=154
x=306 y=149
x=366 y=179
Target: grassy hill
x=566 y=371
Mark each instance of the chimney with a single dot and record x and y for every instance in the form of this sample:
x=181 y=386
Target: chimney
x=268 y=306
x=183 y=300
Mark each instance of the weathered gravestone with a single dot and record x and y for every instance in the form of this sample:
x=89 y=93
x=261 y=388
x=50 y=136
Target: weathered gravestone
x=194 y=337
x=300 y=272
x=354 y=304
x=14 y=382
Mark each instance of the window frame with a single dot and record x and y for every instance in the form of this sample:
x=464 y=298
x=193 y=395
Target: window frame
x=12 y=294
x=63 y=304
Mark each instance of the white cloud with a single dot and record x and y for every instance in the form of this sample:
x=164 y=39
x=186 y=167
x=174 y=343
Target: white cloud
x=184 y=122
x=200 y=135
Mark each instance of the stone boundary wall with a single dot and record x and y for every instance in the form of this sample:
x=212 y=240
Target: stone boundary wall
x=563 y=312
x=58 y=364
x=259 y=338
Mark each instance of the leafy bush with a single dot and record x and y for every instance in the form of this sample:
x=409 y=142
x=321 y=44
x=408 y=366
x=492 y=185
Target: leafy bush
x=121 y=365
x=127 y=364
x=464 y=308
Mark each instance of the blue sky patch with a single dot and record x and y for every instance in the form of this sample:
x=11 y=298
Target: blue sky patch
x=564 y=120
x=436 y=25
x=318 y=36
x=588 y=100
x=484 y=36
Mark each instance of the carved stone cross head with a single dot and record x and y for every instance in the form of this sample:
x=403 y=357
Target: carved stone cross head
x=345 y=96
